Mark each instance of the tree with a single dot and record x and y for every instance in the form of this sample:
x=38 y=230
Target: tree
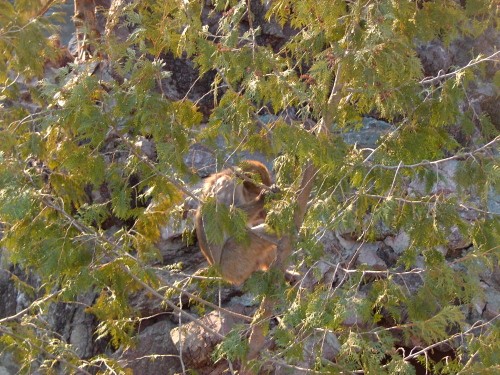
x=82 y=204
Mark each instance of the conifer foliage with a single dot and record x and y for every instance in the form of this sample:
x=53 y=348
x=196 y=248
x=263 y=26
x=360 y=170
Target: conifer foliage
x=82 y=204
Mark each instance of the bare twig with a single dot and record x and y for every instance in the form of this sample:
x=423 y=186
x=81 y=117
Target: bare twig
x=153 y=167
x=30 y=307
x=478 y=324
x=170 y=304
x=44 y=9
x=100 y=238
x=459 y=156
x=58 y=358
x=427 y=81
x=206 y=303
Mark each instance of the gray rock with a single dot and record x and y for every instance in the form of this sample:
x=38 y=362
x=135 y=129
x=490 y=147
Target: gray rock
x=75 y=325
x=8 y=365
x=399 y=243
x=492 y=308
x=489 y=275
x=478 y=304
x=147 y=147
x=494 y=202
x=367 y=256
x=320 y=344
x=369 y=134
x=155 y=353
x=347 y=244
x=196 y=343
x=8 y=294
x=434 y=58
x=200 y=159
x=445 y=185
x=190 y=259
x=410 y=282
x=320 y=272
x=456 y=241
x=81 y=335
x=352 y=317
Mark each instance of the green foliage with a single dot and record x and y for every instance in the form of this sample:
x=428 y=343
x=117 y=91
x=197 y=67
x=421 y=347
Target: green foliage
x=234 y=347
x=82 y=203
x=222 y=222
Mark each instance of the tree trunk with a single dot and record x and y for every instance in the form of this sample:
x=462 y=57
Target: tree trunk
x=257 y=336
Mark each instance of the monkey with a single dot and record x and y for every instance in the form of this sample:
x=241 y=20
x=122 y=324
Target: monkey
x=238 y=261
x=61 y=57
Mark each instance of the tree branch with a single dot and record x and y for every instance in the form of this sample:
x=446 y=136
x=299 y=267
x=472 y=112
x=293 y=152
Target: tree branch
x=428 y=81
x=88 y=231
x=423 y=163
x=284 y=248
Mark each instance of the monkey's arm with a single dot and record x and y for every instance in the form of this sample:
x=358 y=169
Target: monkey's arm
x=264 y=232
x=211 y=252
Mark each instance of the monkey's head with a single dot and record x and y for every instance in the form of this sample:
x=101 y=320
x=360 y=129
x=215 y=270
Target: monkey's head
x=257 y=172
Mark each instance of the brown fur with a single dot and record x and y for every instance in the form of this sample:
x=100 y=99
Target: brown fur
x=236 y=261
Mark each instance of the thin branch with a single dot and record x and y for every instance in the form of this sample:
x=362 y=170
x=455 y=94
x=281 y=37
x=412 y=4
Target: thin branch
x=433 y=199
x=170 y=304
x=427 y=81
x=153 y=167
x=88 y=231
x=44 y=9
x=206 y=303
x=78 y=369
x=284 y=248
x=459 y=156
x=469 y=331
x=31 y=306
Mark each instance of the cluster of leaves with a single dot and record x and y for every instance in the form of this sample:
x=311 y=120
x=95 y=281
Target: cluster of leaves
x=82 y=206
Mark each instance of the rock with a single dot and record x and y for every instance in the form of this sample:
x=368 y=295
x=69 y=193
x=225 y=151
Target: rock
x=329 y=241
x=200 y=159
x=369 y=134
x=456 y=241
x=494 y=202
x=246 y=300
x=490 y=276
x=321 y=271
x=8 y=294
x=178 y=225
x=147 y=147
x=442 y=250
x=445 y=184
x=492 y=308
x=320 y=344
x=147 y=304
x=155 y=353
x=399 y=243
x=75 y=325
x=196 y=343
x=8 y=365
x=368 y=256
x=434 y=58
x=388 y=255
x=478 y=305
x=410 y=282
x=347 y=244
x=82 y=329
x=352 y=317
